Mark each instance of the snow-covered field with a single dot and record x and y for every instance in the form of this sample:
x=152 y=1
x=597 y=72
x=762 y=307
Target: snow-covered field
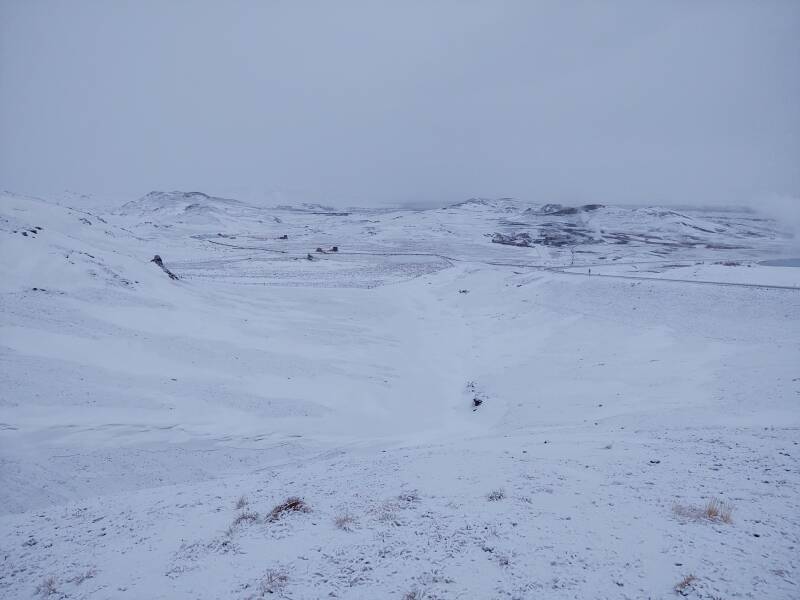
x=548 y=417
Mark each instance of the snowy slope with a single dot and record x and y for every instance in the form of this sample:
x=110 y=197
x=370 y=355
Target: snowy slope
x=137 y=410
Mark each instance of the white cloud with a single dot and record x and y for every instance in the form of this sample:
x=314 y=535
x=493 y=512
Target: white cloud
x=363 y=102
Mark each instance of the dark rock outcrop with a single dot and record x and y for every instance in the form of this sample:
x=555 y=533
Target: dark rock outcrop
x=557 y=210
x=157 y=259
x=516 y=239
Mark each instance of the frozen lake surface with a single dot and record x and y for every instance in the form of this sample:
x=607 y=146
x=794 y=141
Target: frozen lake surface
x=781 y=262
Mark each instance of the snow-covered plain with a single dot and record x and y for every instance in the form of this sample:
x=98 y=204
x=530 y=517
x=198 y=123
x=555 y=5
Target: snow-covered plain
x=631 y=364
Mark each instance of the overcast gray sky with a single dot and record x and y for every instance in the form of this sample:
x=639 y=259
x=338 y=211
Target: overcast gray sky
x=389 y=102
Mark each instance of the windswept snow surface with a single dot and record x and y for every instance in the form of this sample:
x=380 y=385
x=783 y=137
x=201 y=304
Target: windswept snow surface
x=631 y=364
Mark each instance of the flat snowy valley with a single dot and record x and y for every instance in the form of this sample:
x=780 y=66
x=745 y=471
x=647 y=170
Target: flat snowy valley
x=489 y=400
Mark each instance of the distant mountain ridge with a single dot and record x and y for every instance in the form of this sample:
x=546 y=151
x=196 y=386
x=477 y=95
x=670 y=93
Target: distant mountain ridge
x=175 y=202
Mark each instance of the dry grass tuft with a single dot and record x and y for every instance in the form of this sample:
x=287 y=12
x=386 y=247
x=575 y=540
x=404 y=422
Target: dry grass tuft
x=291 y=504
x=684 y=584
x=88 y=574
x=241 y=502
x=274 y=581
x=246 y=516
x=496 y=495
x=717 y=510
x=415 y=594
x=387 y=512
x=714 y=510
x=47 y=587
x=345 y=521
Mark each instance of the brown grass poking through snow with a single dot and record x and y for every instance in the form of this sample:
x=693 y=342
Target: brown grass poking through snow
x=80 y=578
x=415 y=594
x=345 y=521
x=683 y=585
x=387 y=512
x=47 y=587
x=292 y=504
x=496 y=495
x=246 y=516
x=241 y=502
x=717 y=510
x=714 y=510
x=274 y=581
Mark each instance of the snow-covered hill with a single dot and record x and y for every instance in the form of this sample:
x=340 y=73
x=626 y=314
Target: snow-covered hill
x=464 y=418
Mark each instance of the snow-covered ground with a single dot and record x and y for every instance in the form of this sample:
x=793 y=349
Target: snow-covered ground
x=629 y=366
